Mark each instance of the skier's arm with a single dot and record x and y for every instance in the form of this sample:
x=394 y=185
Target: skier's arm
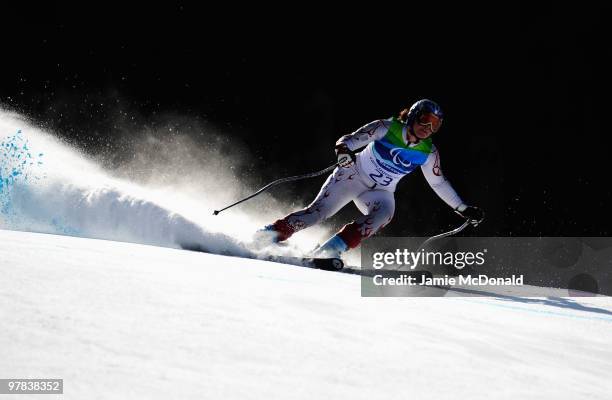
x=440 y=185
x=368 y=133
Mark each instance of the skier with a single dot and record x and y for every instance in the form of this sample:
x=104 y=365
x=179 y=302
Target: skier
x=393 y=148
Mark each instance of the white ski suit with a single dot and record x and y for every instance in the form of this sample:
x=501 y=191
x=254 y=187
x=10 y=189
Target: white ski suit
x=370 y=182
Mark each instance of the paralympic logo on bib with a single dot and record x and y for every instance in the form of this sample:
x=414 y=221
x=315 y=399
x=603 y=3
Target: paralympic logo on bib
x=395 y=153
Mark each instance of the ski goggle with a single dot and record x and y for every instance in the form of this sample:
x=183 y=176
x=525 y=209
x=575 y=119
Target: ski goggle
x=432 y=120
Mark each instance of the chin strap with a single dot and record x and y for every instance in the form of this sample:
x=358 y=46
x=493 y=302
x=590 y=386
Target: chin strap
x=411 y=135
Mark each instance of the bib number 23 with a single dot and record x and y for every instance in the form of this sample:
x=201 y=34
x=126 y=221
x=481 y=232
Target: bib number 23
x=380 y=179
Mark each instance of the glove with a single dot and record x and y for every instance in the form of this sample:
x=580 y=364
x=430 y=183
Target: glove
x=345 y=156
x=473 y=214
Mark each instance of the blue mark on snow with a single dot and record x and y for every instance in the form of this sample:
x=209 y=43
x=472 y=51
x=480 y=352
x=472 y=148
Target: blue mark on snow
x=15 y=158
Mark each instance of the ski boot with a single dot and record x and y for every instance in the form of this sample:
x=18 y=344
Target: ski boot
x=333 y=248
x=275 y=233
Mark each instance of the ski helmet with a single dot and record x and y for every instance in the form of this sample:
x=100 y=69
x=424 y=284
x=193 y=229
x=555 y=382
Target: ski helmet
x=427 y=112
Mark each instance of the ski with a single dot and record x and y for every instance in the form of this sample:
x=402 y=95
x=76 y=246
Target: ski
x=327 y=264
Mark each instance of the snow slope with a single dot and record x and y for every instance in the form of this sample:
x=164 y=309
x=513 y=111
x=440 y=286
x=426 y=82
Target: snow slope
x=133 y=316
x=120 y=320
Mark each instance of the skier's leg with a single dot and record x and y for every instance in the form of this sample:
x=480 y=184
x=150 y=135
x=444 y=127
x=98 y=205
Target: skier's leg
x=342 y=186
x=377 y=206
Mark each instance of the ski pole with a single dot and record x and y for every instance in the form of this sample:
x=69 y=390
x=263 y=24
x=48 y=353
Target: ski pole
x=445 y=234
x=278 y=182
x=440 y=236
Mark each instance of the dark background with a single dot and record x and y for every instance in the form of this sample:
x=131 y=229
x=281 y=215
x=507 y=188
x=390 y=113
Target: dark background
x=524 y=89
